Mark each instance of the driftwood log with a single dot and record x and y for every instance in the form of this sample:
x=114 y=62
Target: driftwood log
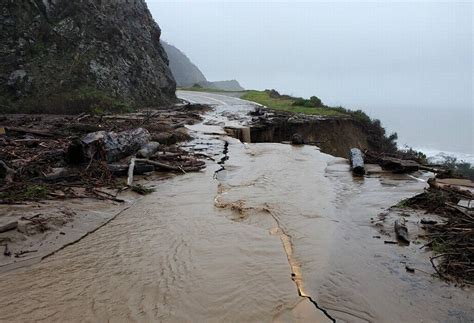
x=122 y=169
x=161 y=165
x=37 y=132
x=131 y=169
x=399 y=165
x=9 y=226
x=357 y=161
x=112 y=146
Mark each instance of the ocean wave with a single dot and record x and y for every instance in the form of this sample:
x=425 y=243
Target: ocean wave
x=436 y=156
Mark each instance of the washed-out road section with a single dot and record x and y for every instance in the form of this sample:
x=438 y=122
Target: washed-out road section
x=274 y=233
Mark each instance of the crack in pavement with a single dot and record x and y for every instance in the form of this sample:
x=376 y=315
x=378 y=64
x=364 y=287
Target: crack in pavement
x=296 y=275
x=286 y=241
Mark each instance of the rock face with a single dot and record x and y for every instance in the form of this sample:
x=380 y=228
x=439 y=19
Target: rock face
x=62 y=48
x=184 y=71
x=231 y=85
x=187 y=74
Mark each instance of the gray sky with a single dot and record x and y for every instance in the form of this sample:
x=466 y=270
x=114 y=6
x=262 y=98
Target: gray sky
x=404 y=62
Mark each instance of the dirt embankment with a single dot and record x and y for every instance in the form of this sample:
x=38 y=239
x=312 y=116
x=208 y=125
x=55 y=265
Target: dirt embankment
x=335 y=136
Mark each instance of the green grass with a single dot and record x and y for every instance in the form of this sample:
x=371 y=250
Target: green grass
x=284 y=104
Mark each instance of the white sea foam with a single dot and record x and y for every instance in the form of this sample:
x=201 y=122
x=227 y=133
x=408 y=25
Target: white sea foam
x=436 y=156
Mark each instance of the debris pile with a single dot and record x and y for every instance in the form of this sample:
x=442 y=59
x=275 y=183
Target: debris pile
x=453 y=239
x=48 y=156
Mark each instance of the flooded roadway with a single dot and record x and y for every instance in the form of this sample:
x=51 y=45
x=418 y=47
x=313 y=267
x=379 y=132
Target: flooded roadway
x=278 y=231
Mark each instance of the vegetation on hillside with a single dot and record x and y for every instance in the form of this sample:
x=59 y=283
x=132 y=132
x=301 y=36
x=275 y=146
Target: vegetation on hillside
x=273 y=100
x=457 y=169
x=82 y=100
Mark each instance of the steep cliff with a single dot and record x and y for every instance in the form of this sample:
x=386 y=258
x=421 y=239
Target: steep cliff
x=65 y=53
x=184 y=71
x=187 y=74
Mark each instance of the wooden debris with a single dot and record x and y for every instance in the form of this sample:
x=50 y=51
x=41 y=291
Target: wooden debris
x=130 y=172
x=30 y=131
x=9 y=226
x=428 y=221
x=122 y=169
x=161 y=165
x=357 y=161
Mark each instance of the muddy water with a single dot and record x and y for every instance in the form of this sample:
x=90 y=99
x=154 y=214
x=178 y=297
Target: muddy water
x=276 y=233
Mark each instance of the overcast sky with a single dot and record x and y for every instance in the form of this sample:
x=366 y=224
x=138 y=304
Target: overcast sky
x=386 y=57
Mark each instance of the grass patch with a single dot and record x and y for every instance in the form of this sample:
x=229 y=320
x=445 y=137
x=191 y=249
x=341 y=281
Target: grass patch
x=377 y=137
x=25 y=192
x=288 y=104
x=34 y=192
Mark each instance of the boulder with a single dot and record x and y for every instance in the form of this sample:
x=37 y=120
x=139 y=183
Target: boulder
x=148 y=150
x=113 y=146
x=297 y=139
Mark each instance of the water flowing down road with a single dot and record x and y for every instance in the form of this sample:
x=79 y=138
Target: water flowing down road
x=273 y=233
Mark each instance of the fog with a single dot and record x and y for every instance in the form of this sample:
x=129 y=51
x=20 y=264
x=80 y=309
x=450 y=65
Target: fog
x=408 y=63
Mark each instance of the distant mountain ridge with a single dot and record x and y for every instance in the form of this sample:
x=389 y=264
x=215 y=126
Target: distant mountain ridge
x=187 y=74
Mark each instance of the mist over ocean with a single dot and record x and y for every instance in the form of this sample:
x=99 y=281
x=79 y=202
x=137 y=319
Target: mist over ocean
x=409 y=64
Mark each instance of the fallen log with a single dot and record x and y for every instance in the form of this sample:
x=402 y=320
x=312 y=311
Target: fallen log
x=161 y=165
x=399 y=165
x=357 y=161
x=112 y=146
x=193 y=168
x=9 y=226
x=30 y=131
x=130 y=172
x=122 y=169
x=401 y=230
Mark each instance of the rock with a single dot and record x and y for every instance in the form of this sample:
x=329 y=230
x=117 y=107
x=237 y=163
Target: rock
x=112 y=146
x=6 y=173
x=148 y=150
x=57 y=50
x=401 y=230
x=297 y=139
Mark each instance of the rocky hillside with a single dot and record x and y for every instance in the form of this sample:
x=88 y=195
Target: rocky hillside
x=64 y=54
x=231 y=85
x=184 y=71
x=187 y=74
